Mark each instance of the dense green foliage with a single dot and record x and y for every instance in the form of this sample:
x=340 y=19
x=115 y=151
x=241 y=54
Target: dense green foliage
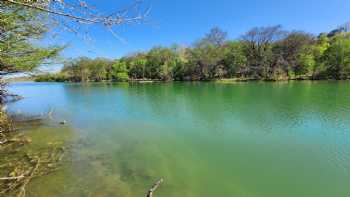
x=267 y=53
x=19 y=28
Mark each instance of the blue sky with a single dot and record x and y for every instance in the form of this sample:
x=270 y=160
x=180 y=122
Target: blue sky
x=184 y=21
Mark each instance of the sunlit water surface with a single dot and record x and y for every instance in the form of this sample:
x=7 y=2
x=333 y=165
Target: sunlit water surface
x=204 y=139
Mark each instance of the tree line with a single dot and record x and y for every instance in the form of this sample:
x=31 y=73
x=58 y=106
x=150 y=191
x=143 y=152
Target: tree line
x=264 y=53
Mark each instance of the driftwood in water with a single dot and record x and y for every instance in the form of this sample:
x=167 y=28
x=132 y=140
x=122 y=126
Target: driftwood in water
x=12 y=178
x=22 y=192
x=154 y=188
x=27 y=167
x=21 y=118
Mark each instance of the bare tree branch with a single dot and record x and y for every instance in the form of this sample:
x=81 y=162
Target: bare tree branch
x=87 y=13
x=154 y=188
x=50 y=11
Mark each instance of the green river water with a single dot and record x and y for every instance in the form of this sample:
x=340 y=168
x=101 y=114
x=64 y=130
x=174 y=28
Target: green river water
x=205 y=139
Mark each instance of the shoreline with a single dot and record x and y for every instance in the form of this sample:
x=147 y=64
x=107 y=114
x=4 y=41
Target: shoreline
x=25 y=155
x=223 y=80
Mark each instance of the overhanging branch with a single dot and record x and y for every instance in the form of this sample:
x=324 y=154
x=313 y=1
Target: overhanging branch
x=109 y=20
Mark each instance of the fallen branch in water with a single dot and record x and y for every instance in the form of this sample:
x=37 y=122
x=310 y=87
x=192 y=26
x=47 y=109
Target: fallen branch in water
x=22 y=192
x=3 y=142
x=19 y=141
x=3 y=139
x=154 y=188
x=12 y=178
x=28 y=167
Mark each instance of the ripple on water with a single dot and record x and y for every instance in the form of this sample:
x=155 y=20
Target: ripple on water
x=205 y=139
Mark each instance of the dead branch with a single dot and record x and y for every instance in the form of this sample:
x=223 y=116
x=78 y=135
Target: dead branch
x=22 y=192
x=12 y=178
x=115 y=19
x=50 y=11
x=3 y=142
x=154 y=188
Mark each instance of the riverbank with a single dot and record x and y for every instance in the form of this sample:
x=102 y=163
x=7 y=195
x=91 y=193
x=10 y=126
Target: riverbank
x=19 y=79
x=59 y=78
x=25 y=157
x=6 y=127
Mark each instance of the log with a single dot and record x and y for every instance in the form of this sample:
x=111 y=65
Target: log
x=154 y=188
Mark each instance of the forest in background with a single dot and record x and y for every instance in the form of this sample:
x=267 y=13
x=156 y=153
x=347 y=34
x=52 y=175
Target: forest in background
x=263 y=53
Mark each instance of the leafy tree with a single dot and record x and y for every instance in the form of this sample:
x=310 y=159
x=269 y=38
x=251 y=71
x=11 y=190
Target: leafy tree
x=137 y=66
x=305 y=64
x=98 y=69
x=160 y=63
x=258 y=49
x=180 y=62
x=120 y=71
x=294 y=50
x=204 y=60
x=234 y=59
x=337 y=58
x=18 y=28
x=318 y=67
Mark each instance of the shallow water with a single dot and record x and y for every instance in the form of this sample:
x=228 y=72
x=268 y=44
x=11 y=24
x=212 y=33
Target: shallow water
x=205 y=139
